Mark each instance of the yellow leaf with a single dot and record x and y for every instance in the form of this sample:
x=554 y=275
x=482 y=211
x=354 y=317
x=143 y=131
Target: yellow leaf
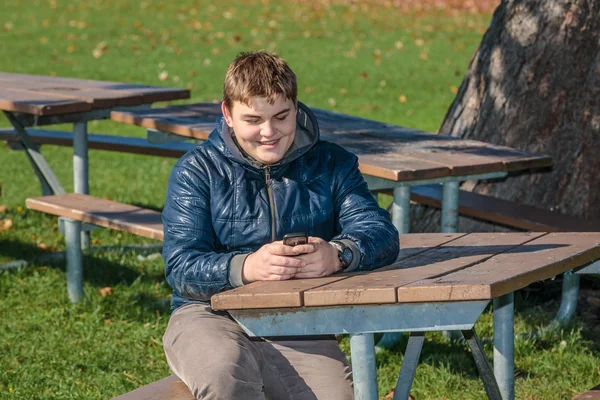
x=453 y=89
x=402 y=98
x=163 y=75
x=3 y=208
x=105 y=291
x=6 y=224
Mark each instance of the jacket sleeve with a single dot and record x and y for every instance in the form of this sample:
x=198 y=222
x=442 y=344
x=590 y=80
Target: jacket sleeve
x=193 y=268
x=361 y=220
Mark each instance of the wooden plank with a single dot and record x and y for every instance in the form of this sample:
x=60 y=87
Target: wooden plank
x=169 y=388
x=40 y=103
x=397 y=167
x=537 y=260
x=289 y=293
x=452 y=154
x=101 y=212
x=148 y=94
x=194 y=121
x=104 y=142
x=381 y=286
x=270 y=294
x=415 y=243
x=98 y=98
x=505 y=212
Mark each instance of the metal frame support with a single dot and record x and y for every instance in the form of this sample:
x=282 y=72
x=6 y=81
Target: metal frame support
x=409 y=365
x=483 y=365
x=74 y=260
x=504 y=345
x=48 y=180
x=450 y=193
x=570 y=294
x=364 y=370
x=81 y=168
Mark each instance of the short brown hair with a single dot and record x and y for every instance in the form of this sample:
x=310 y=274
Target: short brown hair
x=258 y=74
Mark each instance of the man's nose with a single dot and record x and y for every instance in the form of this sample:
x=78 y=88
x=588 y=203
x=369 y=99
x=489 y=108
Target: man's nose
x=267 y=129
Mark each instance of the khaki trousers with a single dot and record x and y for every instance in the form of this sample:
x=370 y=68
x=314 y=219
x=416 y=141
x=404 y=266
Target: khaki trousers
x=217 y=360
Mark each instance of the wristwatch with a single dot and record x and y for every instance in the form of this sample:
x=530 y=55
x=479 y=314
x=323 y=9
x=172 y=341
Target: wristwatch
x=344 y=254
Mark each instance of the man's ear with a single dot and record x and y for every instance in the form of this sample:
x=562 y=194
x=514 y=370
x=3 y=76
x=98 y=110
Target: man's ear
x=226 y=114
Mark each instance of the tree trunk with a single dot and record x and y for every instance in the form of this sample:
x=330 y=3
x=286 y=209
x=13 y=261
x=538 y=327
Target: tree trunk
x=534 y=85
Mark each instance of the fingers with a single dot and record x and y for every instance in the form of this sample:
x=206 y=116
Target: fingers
x=304 y=248
x=280 y=249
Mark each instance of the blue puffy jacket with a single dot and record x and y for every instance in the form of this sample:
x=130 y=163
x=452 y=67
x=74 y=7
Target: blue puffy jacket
x=222 y=205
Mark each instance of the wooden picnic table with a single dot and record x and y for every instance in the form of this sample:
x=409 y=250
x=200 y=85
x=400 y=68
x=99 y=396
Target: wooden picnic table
x=34 y=100
x=439 y=282
x=390 y=157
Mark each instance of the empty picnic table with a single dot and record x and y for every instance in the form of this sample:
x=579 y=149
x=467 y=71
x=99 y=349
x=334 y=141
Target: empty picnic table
x=35 y=100
x=390 y=157
x=439 y=282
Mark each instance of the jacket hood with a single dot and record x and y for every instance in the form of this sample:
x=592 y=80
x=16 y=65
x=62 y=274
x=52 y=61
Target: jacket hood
x=307 y=135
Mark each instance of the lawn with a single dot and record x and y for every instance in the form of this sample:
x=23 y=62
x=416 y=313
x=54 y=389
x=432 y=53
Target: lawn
x=377 y=61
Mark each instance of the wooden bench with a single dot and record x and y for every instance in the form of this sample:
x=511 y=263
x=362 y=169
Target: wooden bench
x=101 y=142
x=169 y=388
x=76 y=208
x=504 y=212
x=592 y=394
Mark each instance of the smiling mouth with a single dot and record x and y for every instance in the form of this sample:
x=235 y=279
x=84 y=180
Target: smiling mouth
x=269 y=143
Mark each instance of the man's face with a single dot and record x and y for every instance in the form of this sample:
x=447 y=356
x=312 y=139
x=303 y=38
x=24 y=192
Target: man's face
x=264 y=131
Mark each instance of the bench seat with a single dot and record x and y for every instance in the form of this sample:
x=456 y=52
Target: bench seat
x=102 y=142
x=504 y=212
x=169 y=388
x=592 y=394
x=101 y=212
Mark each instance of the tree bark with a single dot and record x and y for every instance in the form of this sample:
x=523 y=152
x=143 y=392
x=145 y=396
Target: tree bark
x=534 y=85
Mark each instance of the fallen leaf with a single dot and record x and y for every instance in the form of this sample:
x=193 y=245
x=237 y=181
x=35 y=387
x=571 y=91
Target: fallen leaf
x=3 y=208
x=42 y=246
x=6 y=224
x=105 y=291
x=163 y=75
x=402 y=98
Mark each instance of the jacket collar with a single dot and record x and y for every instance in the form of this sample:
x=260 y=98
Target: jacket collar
x=307 y=134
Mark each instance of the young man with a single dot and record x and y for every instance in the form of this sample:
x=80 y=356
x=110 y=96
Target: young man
x=263 y=173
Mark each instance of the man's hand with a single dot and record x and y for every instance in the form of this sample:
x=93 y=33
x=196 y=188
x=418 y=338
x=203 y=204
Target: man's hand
x=323 y=261
x=275 y=262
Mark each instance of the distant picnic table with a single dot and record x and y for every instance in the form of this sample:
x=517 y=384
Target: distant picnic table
x=390 y=157
x=36 y=100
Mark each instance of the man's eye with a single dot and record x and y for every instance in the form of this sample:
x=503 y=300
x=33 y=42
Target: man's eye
x=252 y=121
x=281 y=118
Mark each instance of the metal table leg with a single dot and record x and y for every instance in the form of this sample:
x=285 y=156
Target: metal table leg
x=80 y=168
x=364 y=369
x=450 y=207
x=409 y=365
x=483 y=366
x=568 y=304
x=401 y=220
x=37 y=160
x=74 y=260
x=504 y=345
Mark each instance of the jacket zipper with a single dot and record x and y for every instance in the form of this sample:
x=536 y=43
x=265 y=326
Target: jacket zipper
x=271 y=202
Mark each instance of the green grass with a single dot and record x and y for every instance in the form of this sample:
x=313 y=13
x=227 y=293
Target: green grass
x=361 y=60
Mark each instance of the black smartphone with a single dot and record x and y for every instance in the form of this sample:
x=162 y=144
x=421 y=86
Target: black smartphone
x=294 y=239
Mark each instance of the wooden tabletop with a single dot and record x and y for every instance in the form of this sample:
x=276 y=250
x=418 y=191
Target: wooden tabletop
x=47 y=95
x=432 y=267
x=384 y=150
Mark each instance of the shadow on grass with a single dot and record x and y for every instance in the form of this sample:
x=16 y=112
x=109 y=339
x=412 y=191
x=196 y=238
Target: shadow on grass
x=101 y=273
